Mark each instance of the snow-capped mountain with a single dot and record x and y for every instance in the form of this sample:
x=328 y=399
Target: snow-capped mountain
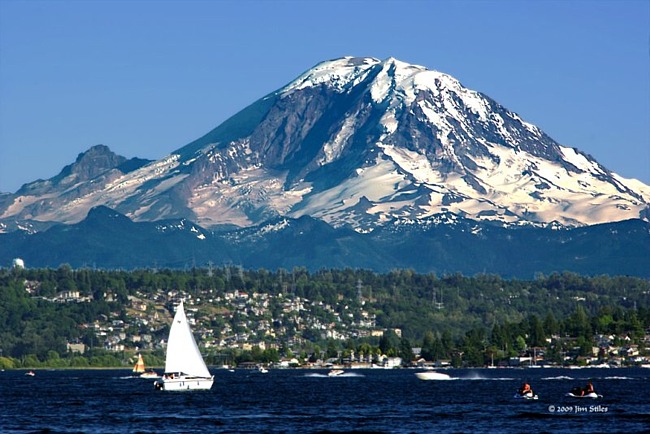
x=354 y=142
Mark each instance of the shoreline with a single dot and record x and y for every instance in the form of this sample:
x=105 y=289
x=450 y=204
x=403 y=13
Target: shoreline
x=324 y=368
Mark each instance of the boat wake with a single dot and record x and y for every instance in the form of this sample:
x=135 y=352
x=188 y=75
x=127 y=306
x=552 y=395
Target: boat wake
x=433 y=375
x=559 y=377
x=345 y=375
x=477 y=376
x=487 y=378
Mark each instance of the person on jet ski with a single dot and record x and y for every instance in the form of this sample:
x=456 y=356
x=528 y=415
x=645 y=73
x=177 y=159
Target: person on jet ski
x=524 y=389
x=589 y=388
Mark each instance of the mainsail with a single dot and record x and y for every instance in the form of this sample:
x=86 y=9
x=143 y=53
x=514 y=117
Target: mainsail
x=183 y=354
x=139 y=365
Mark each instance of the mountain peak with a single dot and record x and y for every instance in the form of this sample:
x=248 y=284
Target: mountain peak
x=335 y=72
x=358 y=142
x=102 y=212
x=95 y=161
x=89 y=164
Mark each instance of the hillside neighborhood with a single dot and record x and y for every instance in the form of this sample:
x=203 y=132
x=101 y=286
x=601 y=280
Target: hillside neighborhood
x=239 y=320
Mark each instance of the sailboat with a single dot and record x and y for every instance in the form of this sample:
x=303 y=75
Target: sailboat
x=139 y=369
x=139 y=365
x=184 y=365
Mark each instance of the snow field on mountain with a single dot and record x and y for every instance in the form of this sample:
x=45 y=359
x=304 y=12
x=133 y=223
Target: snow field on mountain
x=374 y=182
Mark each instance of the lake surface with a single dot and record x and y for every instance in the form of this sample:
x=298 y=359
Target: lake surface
x=308 y=401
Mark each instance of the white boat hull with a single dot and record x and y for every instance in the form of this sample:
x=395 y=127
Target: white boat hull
x=588 y=395
x=526 y=396
x=185 y=383
x=432 y=376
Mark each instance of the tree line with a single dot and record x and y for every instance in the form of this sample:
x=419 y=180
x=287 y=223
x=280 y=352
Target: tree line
x=468 y=320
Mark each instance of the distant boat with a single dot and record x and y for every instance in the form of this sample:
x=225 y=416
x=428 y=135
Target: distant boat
x=139 y=365
x=432 y=375
x=140 y=369
x=150 y=374
x=335 y=372
x=184 y=365
x=262 y=370
x=30 y=373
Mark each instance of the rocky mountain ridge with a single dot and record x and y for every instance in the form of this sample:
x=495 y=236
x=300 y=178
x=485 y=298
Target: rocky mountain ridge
x=108 y=239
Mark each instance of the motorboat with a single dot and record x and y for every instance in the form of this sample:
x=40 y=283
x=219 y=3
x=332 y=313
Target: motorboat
x=150 y=374
x=432 y=375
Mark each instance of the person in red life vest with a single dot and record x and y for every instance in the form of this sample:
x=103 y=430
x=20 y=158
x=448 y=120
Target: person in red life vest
x=589 y=388
x=525 y=388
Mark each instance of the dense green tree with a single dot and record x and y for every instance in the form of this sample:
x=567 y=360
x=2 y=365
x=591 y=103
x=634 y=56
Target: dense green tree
x=578 y=323
x=406 y=351
x=536 y=333
x=550 y=324
x=332 y=349
x=428 y=346
x=389 y=343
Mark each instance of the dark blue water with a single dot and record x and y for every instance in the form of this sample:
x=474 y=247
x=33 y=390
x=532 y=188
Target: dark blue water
x=302 y=401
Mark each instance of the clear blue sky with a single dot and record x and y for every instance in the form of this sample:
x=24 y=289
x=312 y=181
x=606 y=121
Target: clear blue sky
x=147 y=77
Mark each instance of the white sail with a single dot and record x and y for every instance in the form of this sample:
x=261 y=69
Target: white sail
x=183 y=354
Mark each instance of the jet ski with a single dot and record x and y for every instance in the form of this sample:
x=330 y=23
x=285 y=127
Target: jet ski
x=576 y=392
x=527 y=395
x=592 y=395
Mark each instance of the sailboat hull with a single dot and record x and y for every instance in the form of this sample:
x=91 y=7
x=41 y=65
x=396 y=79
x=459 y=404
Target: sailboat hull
x=185 y=383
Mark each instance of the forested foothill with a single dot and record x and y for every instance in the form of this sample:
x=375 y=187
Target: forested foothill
x=74 y=318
